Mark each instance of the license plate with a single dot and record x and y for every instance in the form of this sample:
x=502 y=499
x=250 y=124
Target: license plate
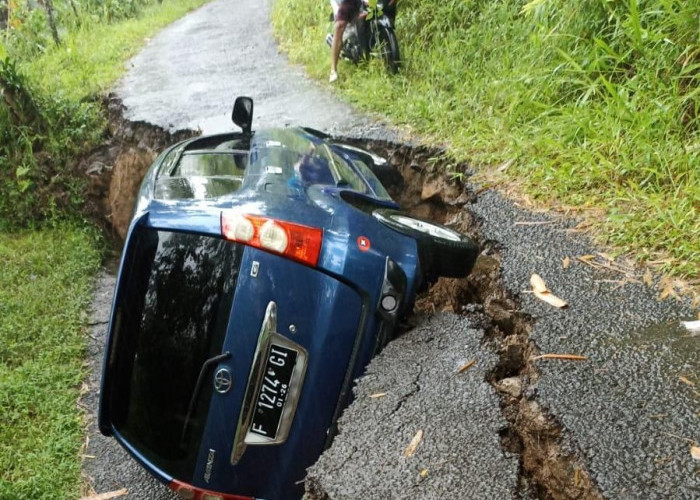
x=273 y=391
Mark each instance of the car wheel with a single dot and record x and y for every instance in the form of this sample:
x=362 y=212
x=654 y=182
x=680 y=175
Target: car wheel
x=442 y=251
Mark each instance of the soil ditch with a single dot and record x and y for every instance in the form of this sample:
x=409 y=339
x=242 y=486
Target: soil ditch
x=114 y=169
x=551 y=465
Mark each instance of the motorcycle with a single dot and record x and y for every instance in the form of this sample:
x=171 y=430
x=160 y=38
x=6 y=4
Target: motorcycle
x=370 y=33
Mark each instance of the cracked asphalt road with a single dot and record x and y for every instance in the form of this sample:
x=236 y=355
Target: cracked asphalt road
x=413 y=386
x=624 y=411
x=626 y=408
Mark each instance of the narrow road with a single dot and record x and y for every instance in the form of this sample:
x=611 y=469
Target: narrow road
x=189 y=75
x=617 y=425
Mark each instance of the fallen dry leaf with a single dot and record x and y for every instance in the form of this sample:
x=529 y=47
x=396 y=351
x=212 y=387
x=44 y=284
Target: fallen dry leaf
x=542 y=292
x=695 y=452
x=586 y=258
x=566 y=262
x=686 y=381
x=505 y=165
x=606 y=256
x=538 y=283
x=413 y=445
x=691 y=326
x=108 y=495
x=424 y=473
x=552 y=300
x=466 y=366
x=568 y=357
x=668 y=288
x=378 y=395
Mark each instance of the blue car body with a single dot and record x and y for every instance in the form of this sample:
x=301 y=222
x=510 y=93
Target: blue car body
x=227 y=365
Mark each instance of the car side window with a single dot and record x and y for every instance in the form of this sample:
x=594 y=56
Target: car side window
x=345 y=174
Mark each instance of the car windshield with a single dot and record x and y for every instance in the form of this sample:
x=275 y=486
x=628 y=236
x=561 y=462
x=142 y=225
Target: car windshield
x=171 y=318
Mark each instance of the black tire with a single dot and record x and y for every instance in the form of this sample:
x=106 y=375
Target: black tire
x=442 y=251
x=389 y=49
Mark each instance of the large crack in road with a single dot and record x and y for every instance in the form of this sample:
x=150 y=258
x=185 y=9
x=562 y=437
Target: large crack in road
x=498 y=404
x=615 y=426
x=547 y=458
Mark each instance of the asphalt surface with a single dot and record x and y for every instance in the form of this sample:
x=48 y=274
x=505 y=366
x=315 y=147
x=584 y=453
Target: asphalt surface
x=626 y=407
x=626 y=410
x=189 y=75
x=414 y=387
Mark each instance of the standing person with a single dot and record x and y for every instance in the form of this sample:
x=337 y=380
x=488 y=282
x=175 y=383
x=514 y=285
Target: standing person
x=345 y=11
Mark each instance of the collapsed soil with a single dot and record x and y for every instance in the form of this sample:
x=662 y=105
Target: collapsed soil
x=115 y=169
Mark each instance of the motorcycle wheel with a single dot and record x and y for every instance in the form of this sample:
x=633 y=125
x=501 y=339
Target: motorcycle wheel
x=389 y=49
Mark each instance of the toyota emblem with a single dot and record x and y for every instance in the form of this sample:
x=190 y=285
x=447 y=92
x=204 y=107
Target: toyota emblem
x=223 y=380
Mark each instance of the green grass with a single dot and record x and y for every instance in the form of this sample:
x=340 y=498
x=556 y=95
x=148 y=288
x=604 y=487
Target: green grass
x=46 y=273
x=91 y=58
x=595 y=102
x=44 y=298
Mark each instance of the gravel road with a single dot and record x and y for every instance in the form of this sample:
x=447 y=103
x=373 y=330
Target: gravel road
x=623 y=418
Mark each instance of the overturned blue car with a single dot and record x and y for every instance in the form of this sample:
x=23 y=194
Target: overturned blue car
x=261 y=272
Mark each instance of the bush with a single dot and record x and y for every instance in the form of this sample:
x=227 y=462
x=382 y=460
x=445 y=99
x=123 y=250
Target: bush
x=43 y=129
x=38 y=137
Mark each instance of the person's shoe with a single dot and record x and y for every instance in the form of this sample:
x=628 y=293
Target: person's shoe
x=333 y=77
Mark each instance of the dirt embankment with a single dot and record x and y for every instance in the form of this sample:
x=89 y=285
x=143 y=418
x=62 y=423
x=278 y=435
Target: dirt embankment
x=115 y=168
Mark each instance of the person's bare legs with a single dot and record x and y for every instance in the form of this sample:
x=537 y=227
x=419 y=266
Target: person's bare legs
x=335 y=48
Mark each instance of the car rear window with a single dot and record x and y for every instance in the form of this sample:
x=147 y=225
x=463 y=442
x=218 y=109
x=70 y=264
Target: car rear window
x=174 y=303
x=202 y=174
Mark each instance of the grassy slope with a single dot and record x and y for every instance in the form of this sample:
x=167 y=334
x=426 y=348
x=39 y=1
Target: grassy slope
x=44 y=291
x=90 y=59
x=592 y=101
x=45 y=282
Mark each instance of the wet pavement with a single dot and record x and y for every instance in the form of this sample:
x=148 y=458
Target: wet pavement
x=189 y=75
x=626 y=408
x=625 y=417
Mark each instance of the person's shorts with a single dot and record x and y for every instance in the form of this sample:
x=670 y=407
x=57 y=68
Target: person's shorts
x=348 y=10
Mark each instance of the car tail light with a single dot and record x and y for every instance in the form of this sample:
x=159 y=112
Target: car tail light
x=294 y=241
x=190 y=492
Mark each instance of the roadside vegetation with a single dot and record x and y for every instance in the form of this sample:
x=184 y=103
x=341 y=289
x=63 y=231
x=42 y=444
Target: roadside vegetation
x=592 y=104
x=56 y=57
x=45 y=288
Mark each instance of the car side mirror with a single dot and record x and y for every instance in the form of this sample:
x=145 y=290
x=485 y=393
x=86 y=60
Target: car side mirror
x=243 y=113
